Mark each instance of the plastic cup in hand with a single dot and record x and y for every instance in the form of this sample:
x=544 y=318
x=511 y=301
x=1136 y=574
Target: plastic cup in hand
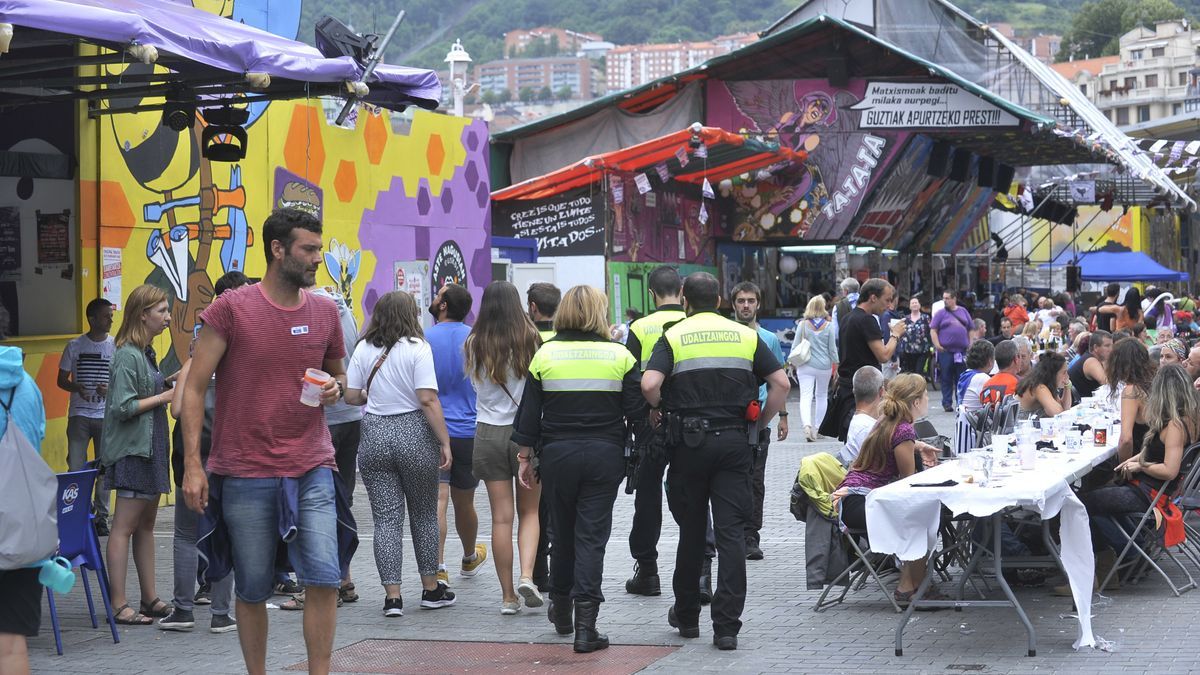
x=314 y=382
x=1028 y=455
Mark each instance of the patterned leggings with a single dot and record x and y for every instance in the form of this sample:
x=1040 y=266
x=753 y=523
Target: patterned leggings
x=398 y=457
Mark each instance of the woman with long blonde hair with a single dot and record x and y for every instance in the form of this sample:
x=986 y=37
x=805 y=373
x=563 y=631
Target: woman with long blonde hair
x=889 y=454
x=136 y=450
x=815 y=376
x=497 y=354
x=581 y=390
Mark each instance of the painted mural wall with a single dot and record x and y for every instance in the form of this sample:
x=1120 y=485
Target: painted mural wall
x=391 y=192
x=816 y=200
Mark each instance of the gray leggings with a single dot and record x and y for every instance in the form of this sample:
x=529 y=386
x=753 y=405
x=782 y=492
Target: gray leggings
x=398 y=458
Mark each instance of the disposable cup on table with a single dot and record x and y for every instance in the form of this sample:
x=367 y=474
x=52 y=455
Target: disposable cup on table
x=1028 y=455
x=314 y=382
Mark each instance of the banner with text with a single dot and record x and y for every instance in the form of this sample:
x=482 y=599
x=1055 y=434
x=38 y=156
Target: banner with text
x=908 y=105
x=571 y=223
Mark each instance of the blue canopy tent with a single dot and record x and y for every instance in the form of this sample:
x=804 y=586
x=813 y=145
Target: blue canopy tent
x=1124 y=266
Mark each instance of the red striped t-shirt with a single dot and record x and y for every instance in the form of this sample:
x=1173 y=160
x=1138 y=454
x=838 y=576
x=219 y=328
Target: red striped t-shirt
x=260 y=427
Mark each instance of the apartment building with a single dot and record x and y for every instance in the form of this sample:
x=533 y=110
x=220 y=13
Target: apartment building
x=554 y=72
x=569 y=41
x=1153 y=77
x=632 y=65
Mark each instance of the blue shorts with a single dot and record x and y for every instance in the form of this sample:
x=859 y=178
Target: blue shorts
x=250 y=507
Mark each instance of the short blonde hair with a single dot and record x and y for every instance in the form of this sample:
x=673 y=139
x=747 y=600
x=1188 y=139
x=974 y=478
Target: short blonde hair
x=583 y=308
x=816 y=308
x=132 y=330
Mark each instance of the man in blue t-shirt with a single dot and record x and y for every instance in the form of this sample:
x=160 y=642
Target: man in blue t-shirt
x=746 y=298
x=457 y=396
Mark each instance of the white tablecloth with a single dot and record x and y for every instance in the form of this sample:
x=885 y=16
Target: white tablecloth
x=903 y=520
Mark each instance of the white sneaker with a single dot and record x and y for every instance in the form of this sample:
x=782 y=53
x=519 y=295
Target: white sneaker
x=510 y=608
x=529 y=593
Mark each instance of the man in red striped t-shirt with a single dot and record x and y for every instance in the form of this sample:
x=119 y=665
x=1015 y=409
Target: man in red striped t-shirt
x=259 y=340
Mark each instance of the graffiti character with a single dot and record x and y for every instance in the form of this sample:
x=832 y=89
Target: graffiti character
x=342 y=265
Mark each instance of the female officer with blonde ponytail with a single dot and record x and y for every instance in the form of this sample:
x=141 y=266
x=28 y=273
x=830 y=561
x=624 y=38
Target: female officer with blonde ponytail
x=580 y=391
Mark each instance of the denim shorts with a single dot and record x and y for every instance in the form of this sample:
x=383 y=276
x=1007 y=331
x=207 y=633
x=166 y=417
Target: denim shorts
x=250 y=507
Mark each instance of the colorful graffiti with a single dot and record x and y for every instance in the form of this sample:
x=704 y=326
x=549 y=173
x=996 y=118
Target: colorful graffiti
x=819 y=198
x=390 y=189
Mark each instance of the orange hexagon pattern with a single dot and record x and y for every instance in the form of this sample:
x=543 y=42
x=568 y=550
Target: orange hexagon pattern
x=304 y=152
x=435 y=154
x=346 y=180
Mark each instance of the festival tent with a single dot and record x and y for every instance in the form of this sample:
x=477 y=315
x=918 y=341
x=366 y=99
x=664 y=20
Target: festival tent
x=1124 y=266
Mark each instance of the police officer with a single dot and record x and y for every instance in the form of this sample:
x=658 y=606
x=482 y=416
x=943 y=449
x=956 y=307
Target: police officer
x=543 y=303
x=647 y=502
x=580 y=391
x=704 y=375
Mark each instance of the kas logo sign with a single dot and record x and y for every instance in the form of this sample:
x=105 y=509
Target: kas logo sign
x=69 y=495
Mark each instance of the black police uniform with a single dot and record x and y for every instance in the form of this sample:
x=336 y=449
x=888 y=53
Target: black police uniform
x=541 y=560
x=713 y=367
x=647 y=500
x=580 y=390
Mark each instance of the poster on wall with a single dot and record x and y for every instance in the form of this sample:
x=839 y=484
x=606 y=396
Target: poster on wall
x=570 y=223
x=410 y=277
x=667 y=229
x=110 y=275
x=10 y=243
x=816 y=199
x=53 y=238
x=449 y=267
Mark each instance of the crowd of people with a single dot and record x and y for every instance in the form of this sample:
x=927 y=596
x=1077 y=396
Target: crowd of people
x=534 y=399
x=551 y=407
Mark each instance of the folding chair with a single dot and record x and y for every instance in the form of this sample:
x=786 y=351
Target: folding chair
x=78 y=543
x=1184 y=484
x=855 y=574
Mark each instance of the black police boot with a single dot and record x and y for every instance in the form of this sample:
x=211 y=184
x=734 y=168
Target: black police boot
x=559 y=612
x=706 y=592
x=692 y=631
x=644 y=580
x=587 y=638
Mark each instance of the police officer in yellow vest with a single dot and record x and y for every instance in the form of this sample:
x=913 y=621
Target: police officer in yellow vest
x=704 y=375
x=665 y=287
x=543 y=303
x=580 y=391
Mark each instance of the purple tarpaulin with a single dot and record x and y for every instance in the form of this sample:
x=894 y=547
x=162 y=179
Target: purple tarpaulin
x=216 y=42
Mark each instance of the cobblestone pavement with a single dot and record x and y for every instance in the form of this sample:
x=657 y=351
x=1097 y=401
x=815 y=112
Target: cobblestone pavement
x=781 y=632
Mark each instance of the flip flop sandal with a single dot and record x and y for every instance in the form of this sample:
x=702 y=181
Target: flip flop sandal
x=297 y=602
x=347 y=594
x=138 y=619
x=156 y=608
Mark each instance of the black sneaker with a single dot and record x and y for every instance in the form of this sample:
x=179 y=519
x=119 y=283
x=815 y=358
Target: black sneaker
x=725 y=642
x=101 y=527
x=753 y=552
x=288 y=587
x=203 y=595
x=222 y=623
x=395 y=606
x=178 y=620
x=684 y=631
x=439 y=597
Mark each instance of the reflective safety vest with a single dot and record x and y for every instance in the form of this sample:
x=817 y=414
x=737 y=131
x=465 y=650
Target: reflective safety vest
x=649 y=328
x=713 y=369
x=591 y=366
x=546 y=334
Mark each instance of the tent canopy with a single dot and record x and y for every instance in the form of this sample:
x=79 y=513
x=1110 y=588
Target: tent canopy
x=1124 y=266
x=729 y=154
x=209 y=56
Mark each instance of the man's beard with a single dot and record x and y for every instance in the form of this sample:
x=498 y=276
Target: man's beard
x=297 y=274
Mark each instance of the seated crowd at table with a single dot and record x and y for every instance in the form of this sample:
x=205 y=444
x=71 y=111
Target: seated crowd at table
x=1042 y=364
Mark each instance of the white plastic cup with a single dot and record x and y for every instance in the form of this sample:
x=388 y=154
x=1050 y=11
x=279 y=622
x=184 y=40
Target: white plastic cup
x=1028 y=457
x=314 y=382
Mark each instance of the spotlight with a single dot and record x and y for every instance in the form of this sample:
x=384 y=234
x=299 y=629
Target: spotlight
x=224 y=139
x=178 y=116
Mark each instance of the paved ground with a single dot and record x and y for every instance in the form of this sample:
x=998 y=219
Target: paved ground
x=1148 y=625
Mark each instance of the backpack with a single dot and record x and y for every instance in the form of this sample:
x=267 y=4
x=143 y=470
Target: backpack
x=28 y=500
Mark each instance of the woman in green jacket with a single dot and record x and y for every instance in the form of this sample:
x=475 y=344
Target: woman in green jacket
x=135 y=451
